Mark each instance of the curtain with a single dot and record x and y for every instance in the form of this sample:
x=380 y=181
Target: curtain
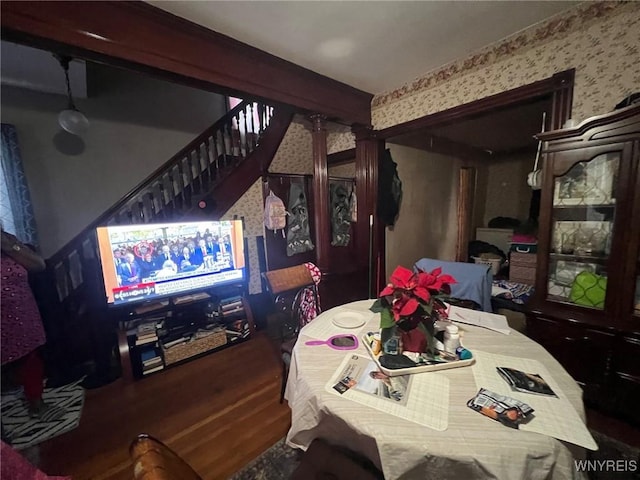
x=17 y=210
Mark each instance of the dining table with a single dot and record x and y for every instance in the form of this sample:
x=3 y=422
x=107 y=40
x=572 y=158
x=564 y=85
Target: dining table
x=461 y=443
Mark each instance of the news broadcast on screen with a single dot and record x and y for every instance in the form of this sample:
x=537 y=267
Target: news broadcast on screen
x=147 y=261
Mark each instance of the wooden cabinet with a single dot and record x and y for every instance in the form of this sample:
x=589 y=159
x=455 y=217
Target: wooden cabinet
x=586 y=308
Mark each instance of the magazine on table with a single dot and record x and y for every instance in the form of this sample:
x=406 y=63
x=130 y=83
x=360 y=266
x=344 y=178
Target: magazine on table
x=525 y=382
x=362 y=374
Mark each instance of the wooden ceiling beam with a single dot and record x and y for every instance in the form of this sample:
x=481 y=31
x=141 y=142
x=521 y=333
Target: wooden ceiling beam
x=142 y=37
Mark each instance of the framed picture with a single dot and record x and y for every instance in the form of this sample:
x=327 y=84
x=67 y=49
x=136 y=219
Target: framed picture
x=588 y=183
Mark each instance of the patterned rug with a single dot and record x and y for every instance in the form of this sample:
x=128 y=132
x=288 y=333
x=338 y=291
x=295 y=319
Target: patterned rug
x=23 y=431
x=280 y=461
x=277 y=463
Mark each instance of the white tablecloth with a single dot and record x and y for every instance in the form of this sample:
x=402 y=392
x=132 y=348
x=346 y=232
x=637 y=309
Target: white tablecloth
x=473 y=446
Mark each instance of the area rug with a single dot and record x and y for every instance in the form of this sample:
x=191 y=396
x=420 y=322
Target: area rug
x=23 y=431
x=280 y=461
x=277 y=463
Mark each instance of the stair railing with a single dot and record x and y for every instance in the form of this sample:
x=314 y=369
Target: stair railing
x=170 y=190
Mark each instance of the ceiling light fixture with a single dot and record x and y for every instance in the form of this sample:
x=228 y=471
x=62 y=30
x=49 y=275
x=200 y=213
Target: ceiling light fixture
x=72 y=120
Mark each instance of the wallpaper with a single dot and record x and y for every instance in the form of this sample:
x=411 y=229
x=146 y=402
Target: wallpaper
x=601 y=40
x=344 y=170
x=340 y=138
x=295 y=152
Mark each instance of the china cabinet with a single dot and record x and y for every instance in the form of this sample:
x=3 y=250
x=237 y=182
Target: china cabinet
x=586 y=307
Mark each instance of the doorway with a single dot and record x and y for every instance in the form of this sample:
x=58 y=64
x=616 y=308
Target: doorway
x=493 y=139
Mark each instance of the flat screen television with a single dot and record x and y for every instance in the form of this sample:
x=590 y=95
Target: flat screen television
x=149 y=261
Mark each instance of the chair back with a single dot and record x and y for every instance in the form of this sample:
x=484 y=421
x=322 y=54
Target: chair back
x=473 y=280
x=288 y=279
x=153 y=460
x=295 y=294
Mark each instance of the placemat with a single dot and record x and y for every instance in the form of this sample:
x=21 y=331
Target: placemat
x=423 y=399
x=552 y=416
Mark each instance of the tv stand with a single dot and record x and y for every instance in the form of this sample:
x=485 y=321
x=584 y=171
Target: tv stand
x=169 y=332
x=150 y=307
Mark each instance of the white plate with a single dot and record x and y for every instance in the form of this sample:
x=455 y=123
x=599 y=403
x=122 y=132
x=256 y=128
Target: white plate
x=348 y=319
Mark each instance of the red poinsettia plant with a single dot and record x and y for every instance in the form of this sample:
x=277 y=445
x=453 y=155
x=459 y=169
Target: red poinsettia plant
x=411 y=301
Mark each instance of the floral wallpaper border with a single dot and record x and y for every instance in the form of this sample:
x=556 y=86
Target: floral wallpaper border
x=557 y=26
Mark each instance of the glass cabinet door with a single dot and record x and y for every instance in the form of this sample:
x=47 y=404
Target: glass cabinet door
x=584 y=209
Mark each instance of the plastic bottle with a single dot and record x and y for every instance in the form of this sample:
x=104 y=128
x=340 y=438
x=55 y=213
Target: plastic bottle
x=439 y=328
x=451 y=339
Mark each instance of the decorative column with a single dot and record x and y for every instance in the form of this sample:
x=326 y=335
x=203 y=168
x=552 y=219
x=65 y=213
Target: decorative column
x=370 y=233
x=321 y=214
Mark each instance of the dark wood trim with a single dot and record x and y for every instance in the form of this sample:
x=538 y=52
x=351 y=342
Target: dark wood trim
x=143 y=37
x=466 y=184
x=369 y=149
x=632 y=243
x=321 y=212
x=442 y=145
x=342 y=157
x=560 y=84
x=562 y=98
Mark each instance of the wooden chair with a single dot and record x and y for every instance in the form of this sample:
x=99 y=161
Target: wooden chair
x=293 y=288
x=153 y=460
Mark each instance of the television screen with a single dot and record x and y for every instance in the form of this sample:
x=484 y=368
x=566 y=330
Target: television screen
x=148 y=261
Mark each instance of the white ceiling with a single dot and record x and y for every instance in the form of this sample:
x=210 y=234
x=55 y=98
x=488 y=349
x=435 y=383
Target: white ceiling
x=371 y=45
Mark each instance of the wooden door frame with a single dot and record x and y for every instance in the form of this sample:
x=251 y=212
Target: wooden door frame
x=559 y=86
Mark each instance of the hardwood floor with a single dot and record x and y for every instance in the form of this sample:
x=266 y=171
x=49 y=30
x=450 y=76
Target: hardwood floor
x=218 y=412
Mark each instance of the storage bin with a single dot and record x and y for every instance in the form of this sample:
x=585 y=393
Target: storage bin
x=524 y=247
x=494 y=263
x=523 y=259
x=191 y=348
x=522 y=267
x=526 y=275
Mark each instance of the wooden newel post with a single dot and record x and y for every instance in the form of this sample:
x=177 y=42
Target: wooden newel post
x=321 y=213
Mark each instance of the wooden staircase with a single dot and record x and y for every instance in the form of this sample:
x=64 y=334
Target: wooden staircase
x=206 y=177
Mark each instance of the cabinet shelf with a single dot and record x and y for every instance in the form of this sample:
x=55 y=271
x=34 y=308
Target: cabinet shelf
x=605 y=206
x=599 y=259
